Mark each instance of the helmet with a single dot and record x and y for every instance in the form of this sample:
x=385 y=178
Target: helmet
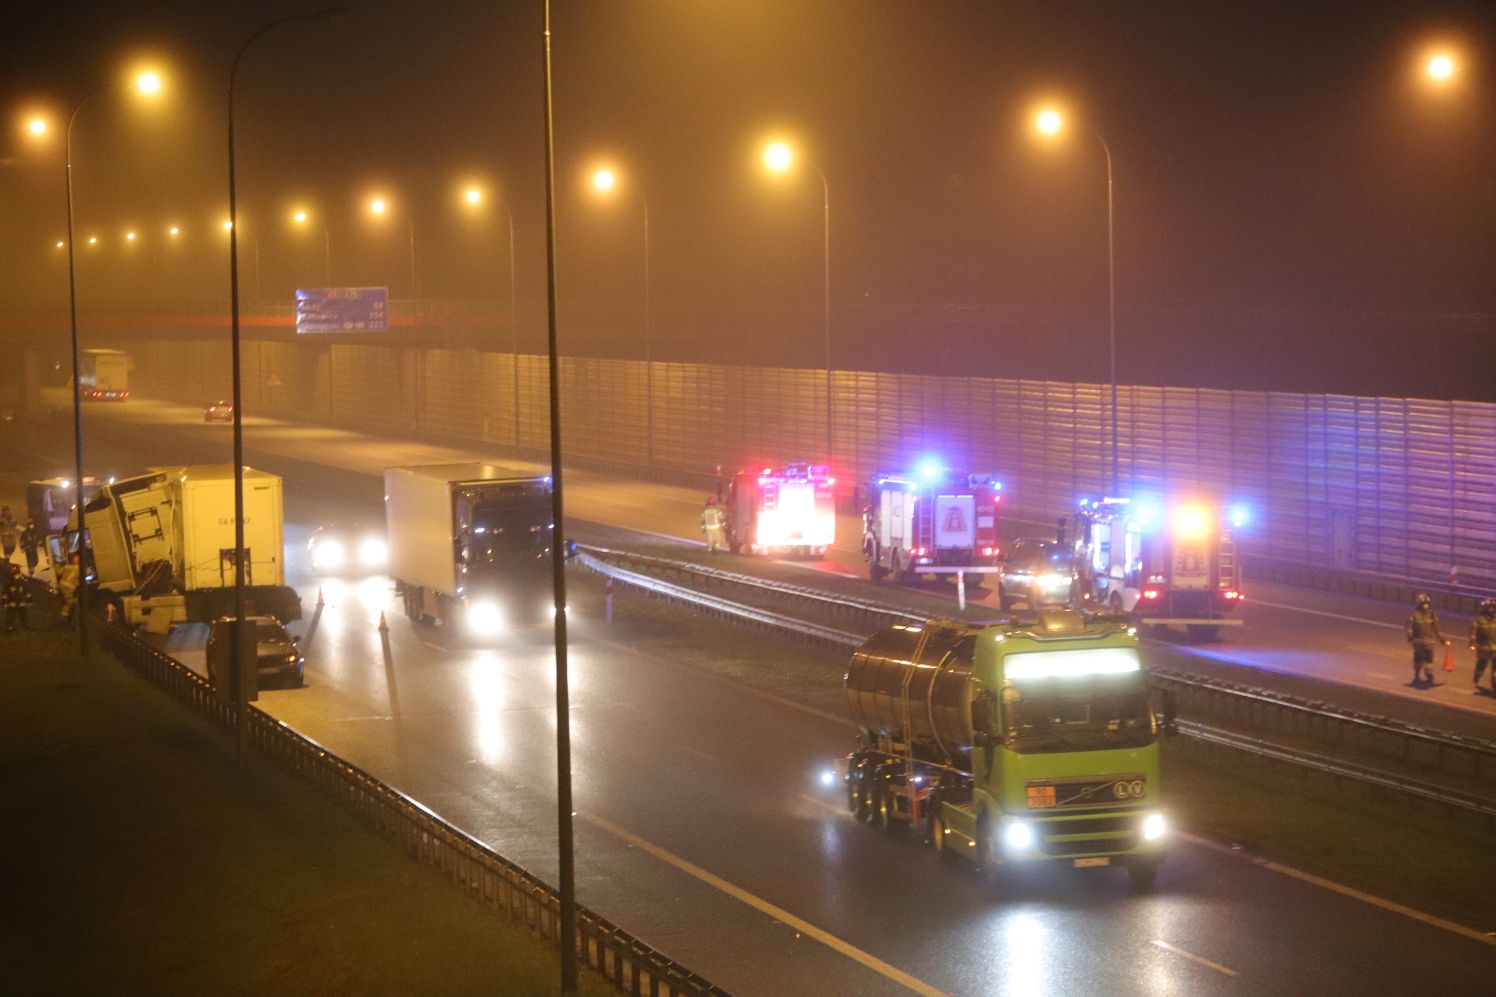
x=1423 y=601
x=711 y=500
x=1488 y=607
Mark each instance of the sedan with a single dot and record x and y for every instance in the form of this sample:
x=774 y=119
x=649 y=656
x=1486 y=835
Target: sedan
x=1037 y=573
x=219 y=412
x=347 y=547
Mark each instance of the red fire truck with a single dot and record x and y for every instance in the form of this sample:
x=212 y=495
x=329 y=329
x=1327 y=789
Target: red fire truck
x=790 y=509
x=1165 y=563
x=934 y=516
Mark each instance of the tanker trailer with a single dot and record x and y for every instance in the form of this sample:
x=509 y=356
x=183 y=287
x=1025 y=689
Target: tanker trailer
x=1010 y=744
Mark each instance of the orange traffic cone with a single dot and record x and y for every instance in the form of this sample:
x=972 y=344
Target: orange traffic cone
x=1449 y=659
x=384 y=627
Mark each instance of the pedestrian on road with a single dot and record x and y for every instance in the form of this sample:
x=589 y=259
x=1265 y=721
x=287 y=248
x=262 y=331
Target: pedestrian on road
x=67 y=587
x=1422 y=631
x=9 y=532
x=16 y=596
x=31 y=541
x=1483 y=642
x=714 y=525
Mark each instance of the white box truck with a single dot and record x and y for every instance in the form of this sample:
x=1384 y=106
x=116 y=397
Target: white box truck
x=470 y=545
x=161 y=545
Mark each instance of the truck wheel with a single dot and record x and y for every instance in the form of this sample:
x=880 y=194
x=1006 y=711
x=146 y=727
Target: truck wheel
x=856 y=801
x=882 y=807
x=1142 y=875
x=1202 y=633
x=937 y=833
x=876 y=571
x=988 y=866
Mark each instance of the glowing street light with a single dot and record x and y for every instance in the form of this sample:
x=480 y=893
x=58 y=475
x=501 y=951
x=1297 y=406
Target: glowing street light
x=605 y=184
x=228 y=226
x=473 y=196
x=129 y=236
x=174 y=231
x=1440 y=68
x=148 y=83
x=1049 y=122
x=93 y=240
x=37 y=126
x=779 y=158
x=60 y=244
x=302 y=218
x=377 y=206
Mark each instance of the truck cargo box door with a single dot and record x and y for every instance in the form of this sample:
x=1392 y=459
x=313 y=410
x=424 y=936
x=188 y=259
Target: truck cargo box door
x=955 y=521
x=1191 y=562
x=147 y=525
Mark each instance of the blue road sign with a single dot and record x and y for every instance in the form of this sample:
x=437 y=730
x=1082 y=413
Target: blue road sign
x=343 y=309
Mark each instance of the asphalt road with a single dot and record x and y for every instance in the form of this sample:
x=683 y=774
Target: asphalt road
x=703 y=826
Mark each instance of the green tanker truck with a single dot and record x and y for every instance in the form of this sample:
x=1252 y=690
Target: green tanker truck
x=1016 y=743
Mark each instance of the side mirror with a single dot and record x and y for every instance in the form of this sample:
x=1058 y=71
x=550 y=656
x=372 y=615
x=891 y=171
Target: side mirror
x=571 y=549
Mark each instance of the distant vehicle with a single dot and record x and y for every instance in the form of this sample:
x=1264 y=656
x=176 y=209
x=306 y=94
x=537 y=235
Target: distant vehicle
x=1037 y=573
x=934 y=516
x=104 y=375
x=277 y=658
x=219 y=412
x=791 y=508
x=470 y=545
x=347 y=547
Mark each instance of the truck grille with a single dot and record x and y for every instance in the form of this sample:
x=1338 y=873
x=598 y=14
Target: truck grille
x=1063 y=794
x=1071 y=846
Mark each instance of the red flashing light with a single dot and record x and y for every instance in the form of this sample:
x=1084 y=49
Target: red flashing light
x=1232 y=594
x=1150 y=594
x=830 y=481
x=920 y=551
x=768 y=470
x=996 y=499
x=988 y=551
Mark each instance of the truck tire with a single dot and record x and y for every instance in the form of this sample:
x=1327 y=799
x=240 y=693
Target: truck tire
x=856 y=801
x=937 y=833
x=884 y=815
x=1142 y=875
x=1203 y=633
x=988 y=866
x=875 y=570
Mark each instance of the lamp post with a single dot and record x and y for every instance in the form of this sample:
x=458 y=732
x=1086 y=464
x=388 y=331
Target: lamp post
x=566 y=867
x=779 y=157
x=605 y=182
x=301 y=217
x=379 y=207
x=149 y=84
x=237 y=631
x=1050 y=123
x=473 y=197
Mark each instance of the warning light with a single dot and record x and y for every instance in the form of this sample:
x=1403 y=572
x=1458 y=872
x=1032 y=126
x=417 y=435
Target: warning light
x=1191 y=521
x=1232 y=594
x=929 y=469
x=919 y=551
x=1150 y=594
x=988 y=551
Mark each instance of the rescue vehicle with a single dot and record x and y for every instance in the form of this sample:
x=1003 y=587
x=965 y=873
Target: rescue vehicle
x=790 y=509
x=1171 y=563
x=935 y=517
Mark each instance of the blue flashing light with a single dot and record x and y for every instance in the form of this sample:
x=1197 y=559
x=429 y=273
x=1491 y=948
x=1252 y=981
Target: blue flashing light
x=1241 y=515
x=929 y=469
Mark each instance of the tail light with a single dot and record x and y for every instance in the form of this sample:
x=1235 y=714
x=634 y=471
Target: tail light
x=1150 y=594
x=920 y=551
x=1232 y=594
x=988 y=551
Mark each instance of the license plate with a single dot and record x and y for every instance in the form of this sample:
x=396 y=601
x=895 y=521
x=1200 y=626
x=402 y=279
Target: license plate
x=1093 y=862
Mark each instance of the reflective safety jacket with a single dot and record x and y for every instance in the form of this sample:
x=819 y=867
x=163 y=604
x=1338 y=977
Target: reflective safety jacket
x=1483 y=634
x=713 y=518
x=1422 y=629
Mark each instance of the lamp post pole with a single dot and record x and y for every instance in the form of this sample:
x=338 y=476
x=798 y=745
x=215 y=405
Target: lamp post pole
x=564 y=818
x=1111 y=309
x=648 y=347
x=826 y=263
x=513 y=322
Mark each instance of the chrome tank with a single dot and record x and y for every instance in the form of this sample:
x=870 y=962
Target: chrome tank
x=920 y=677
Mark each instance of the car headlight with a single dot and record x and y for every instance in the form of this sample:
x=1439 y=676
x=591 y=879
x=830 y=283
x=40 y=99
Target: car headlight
x=1154 y=827
x=484 y=618
x=1018 y=836
x=328 y=554
x=373 y=552
x=1053 y=581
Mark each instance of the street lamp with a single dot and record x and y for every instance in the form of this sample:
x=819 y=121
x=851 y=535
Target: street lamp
x=473 y=198
x=1050 y=123
x=1441 y=68
x=302 y=218
x=149 y=84
x=237 y=634
x=605 y=183
x=379 y=207
x=37 y=126
x=779 y=158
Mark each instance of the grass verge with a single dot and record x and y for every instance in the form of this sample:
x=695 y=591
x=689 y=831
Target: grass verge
x=142 y=858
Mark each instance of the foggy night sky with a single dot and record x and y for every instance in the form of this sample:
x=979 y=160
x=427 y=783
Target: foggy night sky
x=1286 y=195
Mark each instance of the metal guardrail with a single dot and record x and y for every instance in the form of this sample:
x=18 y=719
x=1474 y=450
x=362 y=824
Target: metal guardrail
x=628 y=964
x=1453 y=799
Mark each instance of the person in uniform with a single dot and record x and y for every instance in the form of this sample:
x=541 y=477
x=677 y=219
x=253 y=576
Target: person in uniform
x=16 y=596
x=1422 y=631
x=67 y=587
x=10 y=532
x=1483 y=642
x=714 y=525
x=31 y=541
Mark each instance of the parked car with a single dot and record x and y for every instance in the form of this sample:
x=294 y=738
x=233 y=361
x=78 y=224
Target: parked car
x=219 y=412
x=1037 y=573
x=278 y=659
x=347 y=547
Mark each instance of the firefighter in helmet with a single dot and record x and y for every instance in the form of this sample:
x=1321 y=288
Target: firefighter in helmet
x=1422 y=631
x=1483 y=642
x=714 y=525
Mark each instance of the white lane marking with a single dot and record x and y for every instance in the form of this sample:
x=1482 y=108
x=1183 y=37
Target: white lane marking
x=1334 y=616
x=1346 y=891
x=434 y=647
x=1176 y=950
x=823 y=804
x=777 y=913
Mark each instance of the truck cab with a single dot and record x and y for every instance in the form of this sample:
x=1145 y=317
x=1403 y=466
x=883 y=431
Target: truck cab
x=789 y=509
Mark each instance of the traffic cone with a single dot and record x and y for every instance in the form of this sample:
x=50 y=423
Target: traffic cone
x=1449 y=659
x=109 y=612
x=384 y=627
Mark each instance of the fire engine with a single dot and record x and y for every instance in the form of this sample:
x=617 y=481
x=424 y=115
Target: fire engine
x=1172 y=563
x=792 y=508
x=934 y=516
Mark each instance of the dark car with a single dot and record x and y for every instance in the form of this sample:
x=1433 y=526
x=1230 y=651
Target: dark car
x=339 y=548
x=278 y=660
x=1037 y=573
x=219 y=412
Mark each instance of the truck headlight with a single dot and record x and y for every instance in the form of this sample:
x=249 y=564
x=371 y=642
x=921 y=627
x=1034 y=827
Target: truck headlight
x=328 y=554
x=373 y=553
x=484 y=618
x=1018 y=836
x=1154 y=827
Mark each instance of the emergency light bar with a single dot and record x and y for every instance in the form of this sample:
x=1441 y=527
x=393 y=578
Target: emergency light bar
x=1071 y=664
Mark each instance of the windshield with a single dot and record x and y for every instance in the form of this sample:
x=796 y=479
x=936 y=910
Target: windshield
x=1102 y=712
x=506 y=530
